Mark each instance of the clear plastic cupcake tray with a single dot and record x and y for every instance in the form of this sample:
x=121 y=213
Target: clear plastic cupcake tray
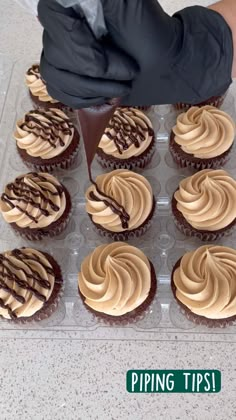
x=163 y=244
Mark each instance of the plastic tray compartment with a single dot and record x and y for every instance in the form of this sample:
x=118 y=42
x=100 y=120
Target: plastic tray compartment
x=163 y=244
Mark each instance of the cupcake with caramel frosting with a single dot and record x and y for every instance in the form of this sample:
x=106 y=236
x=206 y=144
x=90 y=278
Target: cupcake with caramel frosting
x=47 y=140
x=117 y=281
x=31 y=284
x=204 y=206
x=38 y=89
x=202 y=138
x=128 y=141
x=36 y=205
x=120 y=204
x=203 y=283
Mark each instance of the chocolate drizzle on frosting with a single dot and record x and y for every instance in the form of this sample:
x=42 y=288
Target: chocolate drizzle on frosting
x=128 y=134
x=34 y=71
x=9 y=275
x=23 y=193
x=50 y=129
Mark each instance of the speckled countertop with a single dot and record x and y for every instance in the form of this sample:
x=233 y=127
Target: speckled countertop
x=77 y=379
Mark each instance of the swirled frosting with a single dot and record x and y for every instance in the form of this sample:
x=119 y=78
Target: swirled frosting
x=34 y=201
x=207 y=199
x=37 y=86
x=115 y=279
x=26 y=282
x=205 y=281
x=130 y=191
x=44 y=134
x=129 y=133
x=204 y=132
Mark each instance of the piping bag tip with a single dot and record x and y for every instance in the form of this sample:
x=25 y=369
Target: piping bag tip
x=93 y=122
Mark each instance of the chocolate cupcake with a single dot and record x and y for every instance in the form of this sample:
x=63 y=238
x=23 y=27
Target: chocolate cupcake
x=128 y=141
x=204 y=206
x=216 y=101
x=31 y=284
x=117 y=281
x=36 y=205
x=38 y=90
x=47 y=140
x=202 y=138
x=120 y=204
x=203 y=283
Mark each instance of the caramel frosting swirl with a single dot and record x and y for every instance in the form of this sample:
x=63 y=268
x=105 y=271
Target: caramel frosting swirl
x=44 y=134
x=26 y=282
x=207 y=199
x=131 y=191
x=34 y=200
x=205 y=281
x=205 y=132
x=37 y=86
x=128 y=134
x=115 y=279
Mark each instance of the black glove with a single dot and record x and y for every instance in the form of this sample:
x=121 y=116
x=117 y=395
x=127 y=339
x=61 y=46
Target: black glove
x=79 y=70
x=185 y=58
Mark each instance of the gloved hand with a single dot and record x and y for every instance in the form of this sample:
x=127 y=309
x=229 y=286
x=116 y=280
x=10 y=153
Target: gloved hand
x=185 y=58
x=79 y=70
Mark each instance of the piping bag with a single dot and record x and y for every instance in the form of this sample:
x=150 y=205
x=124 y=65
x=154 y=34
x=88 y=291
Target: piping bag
x=93 y=120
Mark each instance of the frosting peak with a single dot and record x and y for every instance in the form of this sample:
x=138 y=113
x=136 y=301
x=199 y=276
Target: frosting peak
x=207 y=199
x=205 y=132
x=205 y=281
x=115 y=279
x=129 y=134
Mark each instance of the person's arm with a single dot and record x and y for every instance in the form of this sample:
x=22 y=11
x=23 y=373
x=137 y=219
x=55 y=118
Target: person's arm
x=153 y=57
x=227 y=8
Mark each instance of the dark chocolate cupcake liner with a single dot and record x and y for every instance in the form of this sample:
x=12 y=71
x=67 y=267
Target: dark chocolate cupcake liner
x=139 y=162
x=198 y=319
x=205 y=236
x=52 y=304
x=131 y=317
x=66 y=163
x=183 y=160
x=128 y=234
x=216 y=101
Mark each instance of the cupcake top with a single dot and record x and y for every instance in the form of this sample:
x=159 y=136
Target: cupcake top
x=34 y=200
x=205 y=281
x=204 y=132
x=27 y=281
x=123 y=200
x=37 y=86
x=115 y=279
x=44 y=134
x=128 y=134
x=207 y=200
